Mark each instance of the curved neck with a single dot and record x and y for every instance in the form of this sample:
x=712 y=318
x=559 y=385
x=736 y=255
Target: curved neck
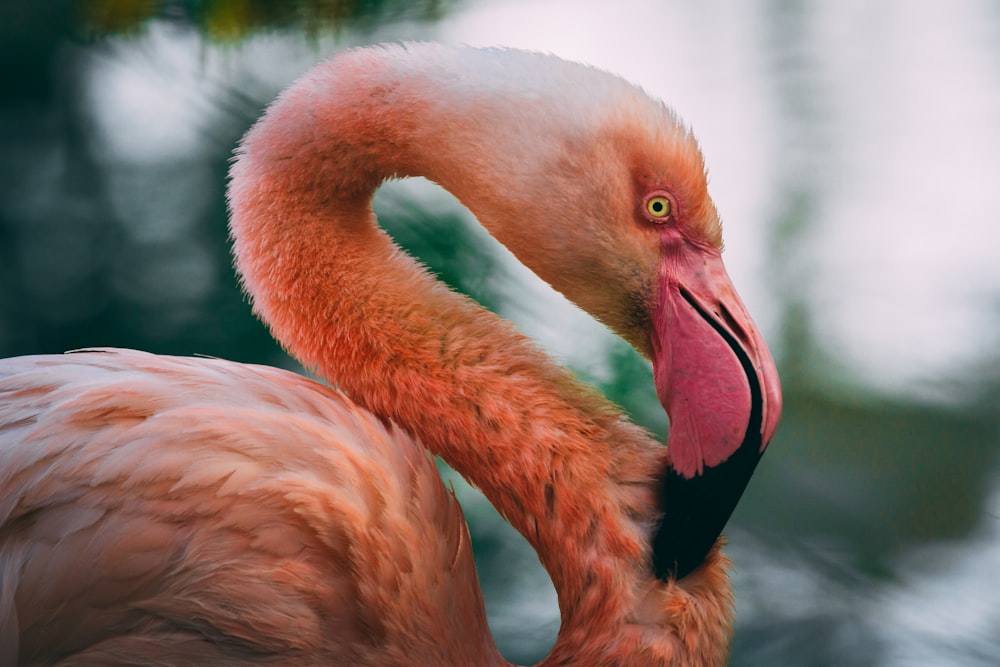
x=554 y=457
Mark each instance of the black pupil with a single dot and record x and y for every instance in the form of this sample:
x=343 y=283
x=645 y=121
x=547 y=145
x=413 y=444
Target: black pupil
x=657 y=207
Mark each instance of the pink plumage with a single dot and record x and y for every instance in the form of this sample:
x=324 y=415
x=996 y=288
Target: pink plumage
x=211 y=510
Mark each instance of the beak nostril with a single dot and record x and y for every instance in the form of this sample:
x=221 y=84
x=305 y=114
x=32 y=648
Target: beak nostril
x=733 y=325
x=722 y=314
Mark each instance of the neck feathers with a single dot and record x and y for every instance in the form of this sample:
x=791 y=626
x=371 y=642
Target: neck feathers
x=556 y=459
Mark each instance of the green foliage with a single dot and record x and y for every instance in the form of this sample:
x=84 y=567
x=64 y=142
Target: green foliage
x=235 y=20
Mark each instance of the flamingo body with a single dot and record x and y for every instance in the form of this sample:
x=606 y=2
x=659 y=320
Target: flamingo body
x=160 y=510
x=193 y=483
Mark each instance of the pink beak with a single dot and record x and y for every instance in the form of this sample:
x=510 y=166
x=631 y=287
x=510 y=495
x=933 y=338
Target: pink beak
x=712 y=367
x=717 y=381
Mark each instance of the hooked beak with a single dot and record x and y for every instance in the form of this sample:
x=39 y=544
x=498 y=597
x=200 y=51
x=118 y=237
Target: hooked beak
x=718 y=384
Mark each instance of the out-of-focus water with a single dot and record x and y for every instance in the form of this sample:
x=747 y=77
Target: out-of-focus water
x=854 y=149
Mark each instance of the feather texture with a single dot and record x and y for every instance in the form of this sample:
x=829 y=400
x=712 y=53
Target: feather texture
x=204 y=509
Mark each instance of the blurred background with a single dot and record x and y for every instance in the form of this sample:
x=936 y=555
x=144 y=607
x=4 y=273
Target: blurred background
x=854 y=152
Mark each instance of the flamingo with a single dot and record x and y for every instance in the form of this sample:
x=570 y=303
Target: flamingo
x=164 y=510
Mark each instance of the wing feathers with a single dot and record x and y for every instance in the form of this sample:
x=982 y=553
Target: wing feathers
x=153 y=503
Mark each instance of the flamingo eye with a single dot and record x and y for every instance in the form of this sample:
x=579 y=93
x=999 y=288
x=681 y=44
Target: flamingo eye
x=659 y=207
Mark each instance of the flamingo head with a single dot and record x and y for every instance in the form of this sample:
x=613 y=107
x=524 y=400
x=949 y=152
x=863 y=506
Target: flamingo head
x=713 y=372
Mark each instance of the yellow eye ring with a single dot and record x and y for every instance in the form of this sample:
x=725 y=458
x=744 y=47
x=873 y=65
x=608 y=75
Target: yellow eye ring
x=658 y=207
